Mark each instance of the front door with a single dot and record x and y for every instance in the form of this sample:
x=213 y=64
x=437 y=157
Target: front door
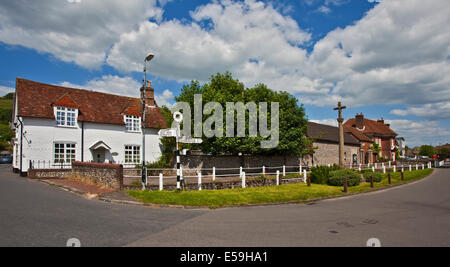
x=99 y=155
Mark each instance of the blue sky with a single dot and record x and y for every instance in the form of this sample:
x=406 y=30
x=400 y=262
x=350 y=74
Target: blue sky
x=386 y=59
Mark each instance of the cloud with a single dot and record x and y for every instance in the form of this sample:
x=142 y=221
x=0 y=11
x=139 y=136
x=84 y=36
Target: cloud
x=420 y=132
x=5 y=90
x=80 y=32
x=112 y=84
x=250 y=38
x=431 y=111
x=324 y=9
x=331 y=122
x=165 y=99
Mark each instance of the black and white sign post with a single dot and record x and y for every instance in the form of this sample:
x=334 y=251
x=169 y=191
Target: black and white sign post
x=176 y=132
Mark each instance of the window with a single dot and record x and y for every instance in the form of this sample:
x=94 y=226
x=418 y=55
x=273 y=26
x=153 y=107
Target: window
x=66 y=116
x=133 y=123
x=64 y=153
x=132 y=154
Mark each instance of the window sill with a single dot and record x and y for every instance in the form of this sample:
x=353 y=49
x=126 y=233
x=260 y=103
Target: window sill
x=65 y=126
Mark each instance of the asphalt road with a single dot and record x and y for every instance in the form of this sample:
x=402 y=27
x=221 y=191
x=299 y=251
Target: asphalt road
x=418 y=214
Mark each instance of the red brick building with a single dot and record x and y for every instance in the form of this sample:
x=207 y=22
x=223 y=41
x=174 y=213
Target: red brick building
x=371 y=132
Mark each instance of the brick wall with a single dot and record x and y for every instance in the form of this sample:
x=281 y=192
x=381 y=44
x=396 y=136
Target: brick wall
x=110 y=175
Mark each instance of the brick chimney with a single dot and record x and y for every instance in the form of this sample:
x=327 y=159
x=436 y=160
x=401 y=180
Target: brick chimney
x=149 y=94
x=359 y=119
x=381 y=121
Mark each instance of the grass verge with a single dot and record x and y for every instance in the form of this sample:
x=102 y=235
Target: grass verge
x=263 y=195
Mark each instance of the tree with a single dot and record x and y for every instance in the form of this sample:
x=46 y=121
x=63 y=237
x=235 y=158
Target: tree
x=222 y=88
x=427 y=150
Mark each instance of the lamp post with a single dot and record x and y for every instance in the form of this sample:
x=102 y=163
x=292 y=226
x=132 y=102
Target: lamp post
x=144 y=168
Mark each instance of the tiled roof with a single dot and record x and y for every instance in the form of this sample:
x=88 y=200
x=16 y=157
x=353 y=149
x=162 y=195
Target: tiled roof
x=38 y=99
x=357 y=134
x=329 y=134
x=372 y=127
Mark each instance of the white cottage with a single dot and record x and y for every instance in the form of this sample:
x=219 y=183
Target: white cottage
x=56 y=125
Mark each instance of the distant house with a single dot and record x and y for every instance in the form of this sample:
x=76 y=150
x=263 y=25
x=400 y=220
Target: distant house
x=372 y=132
x=59 y=125
x=326 y=142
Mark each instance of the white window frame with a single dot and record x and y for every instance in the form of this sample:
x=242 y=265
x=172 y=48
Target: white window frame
x=68 y=153
x=66 y=117
x=132 y=154
x=132 y=123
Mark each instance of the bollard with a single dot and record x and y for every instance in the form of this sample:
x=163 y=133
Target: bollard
x=389 y=178
x=284 y=170
x=278 y=177
x=371 y=181
x=200 y=181
x=243 y=179
x=161 y=186
x=403 y=177
x=345 y=185
x=214 y=174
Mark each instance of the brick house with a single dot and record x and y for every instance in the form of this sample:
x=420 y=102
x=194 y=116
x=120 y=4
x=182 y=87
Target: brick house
x=370 y=132
x=326 y=142
x=59 y=125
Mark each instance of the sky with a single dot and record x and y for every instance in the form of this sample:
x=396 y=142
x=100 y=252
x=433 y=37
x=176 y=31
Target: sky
x=387 y=59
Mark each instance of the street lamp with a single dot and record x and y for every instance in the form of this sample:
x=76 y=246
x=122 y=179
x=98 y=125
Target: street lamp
x=144 y=168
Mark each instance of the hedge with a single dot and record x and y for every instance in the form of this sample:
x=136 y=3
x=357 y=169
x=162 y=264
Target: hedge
x=337 y=178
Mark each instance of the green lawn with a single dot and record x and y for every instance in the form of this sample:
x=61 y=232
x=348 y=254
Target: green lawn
x=259 y=195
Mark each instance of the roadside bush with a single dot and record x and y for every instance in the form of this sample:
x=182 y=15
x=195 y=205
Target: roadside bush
x=377 y=177
x=337 y=178
x=320 y=174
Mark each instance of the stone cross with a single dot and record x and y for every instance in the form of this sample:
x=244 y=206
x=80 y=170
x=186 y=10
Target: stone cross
x=340 y=120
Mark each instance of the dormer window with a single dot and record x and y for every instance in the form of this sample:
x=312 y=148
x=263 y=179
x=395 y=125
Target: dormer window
x=66 y=116
x=132 y=123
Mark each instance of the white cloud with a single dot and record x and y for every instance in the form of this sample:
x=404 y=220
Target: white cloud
x=420 y=132
x=79 y=32
x=251 y=39
x=331 y=122
x=432 y=111
x=112 y=84
x=324 y=9
x=5 y=90
x=165 y=99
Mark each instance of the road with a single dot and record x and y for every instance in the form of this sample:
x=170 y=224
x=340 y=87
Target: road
x=418 y=214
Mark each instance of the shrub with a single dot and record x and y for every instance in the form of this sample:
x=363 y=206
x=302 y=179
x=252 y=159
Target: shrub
x=320 y=174
x=377 y=177
x=337 y=178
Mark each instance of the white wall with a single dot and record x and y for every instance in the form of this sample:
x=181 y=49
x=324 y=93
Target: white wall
x=40 y=135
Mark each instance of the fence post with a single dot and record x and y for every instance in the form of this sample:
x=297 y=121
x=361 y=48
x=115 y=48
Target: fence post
x=395 y=168
x=308 y=180
x=375 y=165
x=402 y=175
x=264 y=170
x=161 y=185
x=345 y=184
x=200 y=181
x=243 y=179
x=389 y=164
x=384 y=169
x=214 y=174
x=409 y=167
x=284 y=170
x=389 y=177
x=304 y=176
x=373 y=169
x=278 y=177
x=371 y=181
x=240 y=171
x=423 y=166
x=300 y=170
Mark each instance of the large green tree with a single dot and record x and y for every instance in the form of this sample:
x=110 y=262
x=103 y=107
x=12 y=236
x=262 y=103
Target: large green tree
x=223 y=88
x=427 y=150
